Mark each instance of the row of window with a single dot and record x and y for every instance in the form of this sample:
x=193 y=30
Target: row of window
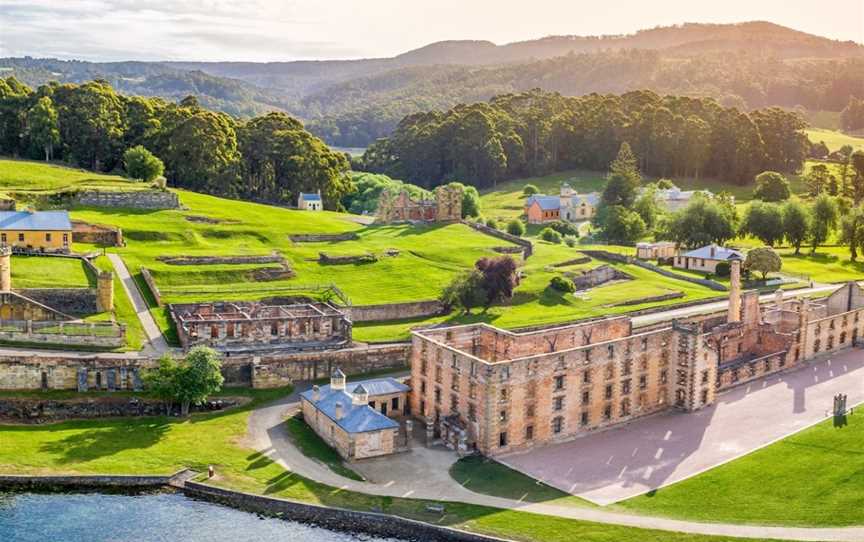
x=48 y=238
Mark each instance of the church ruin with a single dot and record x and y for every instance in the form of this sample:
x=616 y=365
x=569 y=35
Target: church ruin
x=446 y=206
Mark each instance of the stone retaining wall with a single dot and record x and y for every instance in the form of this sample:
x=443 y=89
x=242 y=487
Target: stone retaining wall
x=148 y=280
x=96 y=234
x=527 y=246
x=394 y=311
x=72 y=301
x=621 y=258
x=116 y=339
x=652 y=299
x=138 y=199
x=335 y=519
x=97 y=481
x=219 y=260
x=36 y=410
x=331 y=259
x=323 y=237
x=597 y=276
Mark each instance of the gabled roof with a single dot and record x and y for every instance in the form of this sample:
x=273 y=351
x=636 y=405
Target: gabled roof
x=720 y=253
x=310 y=197
x=547 y=203
x=35 y=221
x=356 y=418
x=591 y=199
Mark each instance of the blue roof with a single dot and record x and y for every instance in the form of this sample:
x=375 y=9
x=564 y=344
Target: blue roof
x=547 y=203
x=35 y=221
x=720 y=253
x=310 y=197
x=356 y=418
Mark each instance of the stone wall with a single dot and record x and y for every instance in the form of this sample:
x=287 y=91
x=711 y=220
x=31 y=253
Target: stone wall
x=71 y=301
x=36 y=410
x=96 y=334
x=394 y=311
x=652 y=299
x=96 y=234
x=138 y=199
x=336 y=519
x=527 y=246
x=621 y=258
x=595 y=277
x=277 y=370
x=97 y=481
x=59 y=371
x=323 y=237
x=148 y=280
x=220 y=260
x=338 y=259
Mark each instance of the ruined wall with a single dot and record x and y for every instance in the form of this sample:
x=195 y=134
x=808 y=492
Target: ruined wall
x=323 y=237
x=833 y=333
x=96 y=234
x=38 y=410
x=745 y=371
x=97 y=335
x=393 y=311
x=139 y=199
x=72 y=372
x=597 y=276
x=71 y=301
x=154 y=289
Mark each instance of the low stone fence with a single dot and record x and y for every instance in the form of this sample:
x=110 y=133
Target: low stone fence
x=219 y=260
x=651 y=299
x=97 y=481
x=281 y=369
x=132 y=199
x=394 y=311
x=96 y=334
x=38 y=410
x=574 y=261
x=527 y=246
x=96 y=234
x=336 y=519
x=148 y=280
x=621 y=258
x=331 y=259
x=323 y=237
x=71 y=301
x=597 y=276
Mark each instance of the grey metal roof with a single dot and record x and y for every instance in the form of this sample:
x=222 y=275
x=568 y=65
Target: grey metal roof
x=720 y=253
x=356 y=418
x=35 y=221
x=310 y=197
x=547 y=203
x=591 y=199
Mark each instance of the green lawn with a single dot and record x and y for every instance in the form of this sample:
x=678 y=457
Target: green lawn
x=812 y=478
x=308 y=442
x=50 y=272
x=163 y=445
x=27 y=176
x=834 y=139
x=829 y=264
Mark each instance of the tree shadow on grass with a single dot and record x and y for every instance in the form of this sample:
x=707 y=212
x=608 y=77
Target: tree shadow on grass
x=98 y=442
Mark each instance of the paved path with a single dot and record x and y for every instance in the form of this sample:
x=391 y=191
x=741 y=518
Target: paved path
x=622 y=463
x=422 y=474
x=154 y=334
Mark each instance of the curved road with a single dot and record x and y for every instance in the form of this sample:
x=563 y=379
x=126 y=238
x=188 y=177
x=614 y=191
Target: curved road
x=423 y=474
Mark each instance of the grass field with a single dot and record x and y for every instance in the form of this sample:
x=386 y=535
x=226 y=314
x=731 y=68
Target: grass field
x=27 y=176
x=829 y=264
x=308 y=442
x=50 y=272
x=163 y=445
x=834 y=139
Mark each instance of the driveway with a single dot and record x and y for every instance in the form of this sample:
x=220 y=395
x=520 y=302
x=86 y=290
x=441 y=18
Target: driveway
x=621 y=463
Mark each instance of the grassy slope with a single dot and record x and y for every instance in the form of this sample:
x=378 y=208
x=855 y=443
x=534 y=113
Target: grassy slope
x=163 y=445
x=50 y=272
x=834 y=139
x=308 y=442
x=21 y=175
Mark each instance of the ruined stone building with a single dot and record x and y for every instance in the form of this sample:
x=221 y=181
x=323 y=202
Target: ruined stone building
x=446 y=206
x=498 y=391
x=359 y=420
x=240 y=326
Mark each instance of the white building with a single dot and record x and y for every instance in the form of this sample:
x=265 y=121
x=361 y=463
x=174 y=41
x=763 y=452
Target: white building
x=310 y=202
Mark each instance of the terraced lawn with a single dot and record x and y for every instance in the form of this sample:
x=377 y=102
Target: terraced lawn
x=28 y=176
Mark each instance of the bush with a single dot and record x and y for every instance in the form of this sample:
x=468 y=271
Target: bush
x=142 y=164
x=492 y=223
x=723 y=269
x=571 y=241
x=564 y=228
x=550 y=235
x=530 y=190
x=562 y=284
x=516 y=227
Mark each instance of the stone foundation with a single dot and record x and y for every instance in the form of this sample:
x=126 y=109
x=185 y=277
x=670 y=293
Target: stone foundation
x=597 y=276
x=96 y=234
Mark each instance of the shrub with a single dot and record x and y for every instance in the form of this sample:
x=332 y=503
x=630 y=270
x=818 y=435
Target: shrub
x=492 y=223
x=571 y=241
x=562 y=284
x=530 y=190
x=564 y=228
x=772 y=186
x=142 y=164
x=550 y=235
x=723 y=269
x=516 y=227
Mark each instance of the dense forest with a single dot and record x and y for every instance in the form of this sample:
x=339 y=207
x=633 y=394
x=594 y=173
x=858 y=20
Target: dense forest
x=354 y=102
x=538 y=132
x=267 y=158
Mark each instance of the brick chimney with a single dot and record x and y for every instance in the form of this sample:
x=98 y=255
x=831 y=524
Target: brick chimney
x=713 y=251
x=339 y=412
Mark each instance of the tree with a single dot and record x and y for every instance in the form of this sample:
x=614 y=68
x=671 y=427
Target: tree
x=516 y=227
x=623 y=179
x=465 y=291
x=564 y=227
x=771 y=186
x=500 y=278
x=852 y=232
x=796 y=223
x=763 y=260
x=550 y=235
x=142 y=164
x=820 y=180
x=188 y=382
x=765 y=222
x=702 y=222
x=824 y=220
x=530 y=190
x=42 y=126
x=623 y=226
x=857 y=162
x=648 y=208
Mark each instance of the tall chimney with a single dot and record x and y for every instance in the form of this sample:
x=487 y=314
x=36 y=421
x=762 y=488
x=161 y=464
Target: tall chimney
x=316 y=393
x=338 y=411
x=712 y=250
x=734 y=290
x=5 y=269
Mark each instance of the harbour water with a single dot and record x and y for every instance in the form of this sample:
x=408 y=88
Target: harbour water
x=162 y=517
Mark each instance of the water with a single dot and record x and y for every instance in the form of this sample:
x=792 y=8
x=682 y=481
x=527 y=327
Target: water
x=353 y=151
x=168 y=517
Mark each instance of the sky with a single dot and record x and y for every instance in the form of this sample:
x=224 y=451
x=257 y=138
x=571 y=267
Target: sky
x=280 y=30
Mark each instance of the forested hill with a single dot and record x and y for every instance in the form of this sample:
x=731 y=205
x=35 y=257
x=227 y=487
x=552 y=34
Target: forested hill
x=355 y=102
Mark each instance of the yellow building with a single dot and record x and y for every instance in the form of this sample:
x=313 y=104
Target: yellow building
x=43 y=231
